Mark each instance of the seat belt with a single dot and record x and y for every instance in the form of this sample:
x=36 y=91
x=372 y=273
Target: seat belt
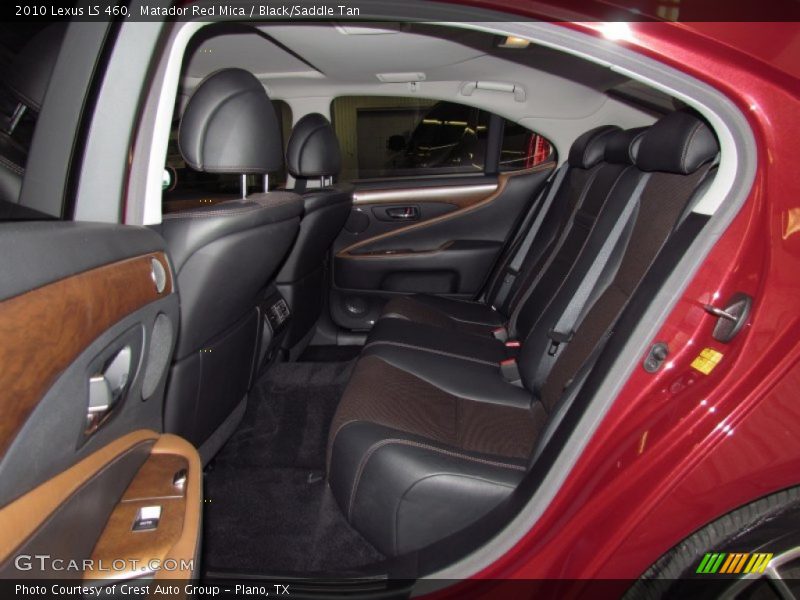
x=513 y=268
x=564 y=329
x=574 y=385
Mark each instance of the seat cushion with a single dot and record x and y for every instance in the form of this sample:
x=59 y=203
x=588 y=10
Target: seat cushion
x=410 y=463
x=447 y=313
x=436 y=340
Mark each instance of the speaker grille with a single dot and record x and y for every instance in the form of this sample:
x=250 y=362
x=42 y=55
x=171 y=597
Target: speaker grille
x=158 y=354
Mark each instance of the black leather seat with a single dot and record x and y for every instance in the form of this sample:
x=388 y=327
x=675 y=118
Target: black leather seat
x=312 y=153
x=224 y=256
x=426 y=441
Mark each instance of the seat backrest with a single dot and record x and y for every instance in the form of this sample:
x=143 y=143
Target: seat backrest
x=312 y=153
x=583 y=164
x=225 y=254
x=674 y=157
x=547 y=278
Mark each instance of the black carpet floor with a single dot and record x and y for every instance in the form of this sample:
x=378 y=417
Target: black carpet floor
x=268 y=508
x=329 y=353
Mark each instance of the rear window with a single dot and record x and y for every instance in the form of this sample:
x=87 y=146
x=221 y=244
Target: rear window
x=523 y=148
x=389 y=136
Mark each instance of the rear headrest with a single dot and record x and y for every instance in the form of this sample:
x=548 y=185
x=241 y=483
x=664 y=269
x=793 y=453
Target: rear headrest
x=313 y=150
x=623 y=146
x=588 y=149
x=680 y=142
x=230 y=126
x=30 y=71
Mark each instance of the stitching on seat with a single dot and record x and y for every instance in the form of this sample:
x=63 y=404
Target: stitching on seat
x=432 y=351
x=12 y=166
x=378 y=445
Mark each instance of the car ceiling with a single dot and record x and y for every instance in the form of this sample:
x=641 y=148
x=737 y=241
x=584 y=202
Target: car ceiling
x=565 y=95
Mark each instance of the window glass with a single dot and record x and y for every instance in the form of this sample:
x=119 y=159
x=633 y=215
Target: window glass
x=181 y=181
x=523 y=148
x=386 y=136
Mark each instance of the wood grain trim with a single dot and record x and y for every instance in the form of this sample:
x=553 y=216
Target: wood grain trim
x=187 y=546
x=21 y=518
x=459 y=195
x=154 y=479
x=502 y=182
x=390 y=255
x=178 y=532
x=45 y=329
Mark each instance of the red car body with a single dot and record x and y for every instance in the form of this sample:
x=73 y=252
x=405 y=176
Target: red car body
x=679 y=449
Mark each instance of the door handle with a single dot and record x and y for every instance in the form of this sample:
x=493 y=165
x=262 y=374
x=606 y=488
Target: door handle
x=106 y=388
x=403 y=213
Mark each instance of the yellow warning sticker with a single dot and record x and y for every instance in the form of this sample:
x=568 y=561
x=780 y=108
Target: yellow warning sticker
x=707 y=360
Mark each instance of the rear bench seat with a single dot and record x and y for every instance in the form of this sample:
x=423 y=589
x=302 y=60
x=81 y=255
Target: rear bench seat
x=583 y=211
x=432 y=432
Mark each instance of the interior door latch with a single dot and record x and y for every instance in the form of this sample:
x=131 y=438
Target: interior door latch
x=732 y=318
x=106 y=388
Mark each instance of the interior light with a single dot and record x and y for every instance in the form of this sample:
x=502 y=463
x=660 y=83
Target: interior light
x=514 y=42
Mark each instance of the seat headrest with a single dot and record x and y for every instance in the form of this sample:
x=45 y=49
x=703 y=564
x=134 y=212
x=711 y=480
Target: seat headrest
x=622 y=147
x=313 y=150
x=589 y=148
x=30 y=71
x=230 y=126
x=679 y=142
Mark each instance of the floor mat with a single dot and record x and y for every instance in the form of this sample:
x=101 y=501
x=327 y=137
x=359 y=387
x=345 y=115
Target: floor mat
x=330 y=353
x=268 y=507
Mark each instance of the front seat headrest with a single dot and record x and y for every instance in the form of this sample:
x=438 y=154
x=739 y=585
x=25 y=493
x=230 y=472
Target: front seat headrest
x=30 y=71
x=229 y=126
x=313 y=150
x=680 y=142
x=588 y=149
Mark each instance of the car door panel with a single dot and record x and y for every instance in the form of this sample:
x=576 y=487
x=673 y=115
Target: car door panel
x=449 y=252
x=85 y=513
x=78 y=297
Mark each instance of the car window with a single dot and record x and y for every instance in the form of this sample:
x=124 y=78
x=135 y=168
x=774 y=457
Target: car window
x=523 y=148
x=181 y=181
x=392 y=136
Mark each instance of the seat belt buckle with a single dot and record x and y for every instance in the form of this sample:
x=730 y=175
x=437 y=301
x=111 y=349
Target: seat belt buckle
x=500 y=333
x=510 y=370
x=556 y=339
x=513 y=348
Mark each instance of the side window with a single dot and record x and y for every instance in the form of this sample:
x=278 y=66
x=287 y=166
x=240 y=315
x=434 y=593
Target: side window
x=523 y=148
x=388 y=136
x=181 y=181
